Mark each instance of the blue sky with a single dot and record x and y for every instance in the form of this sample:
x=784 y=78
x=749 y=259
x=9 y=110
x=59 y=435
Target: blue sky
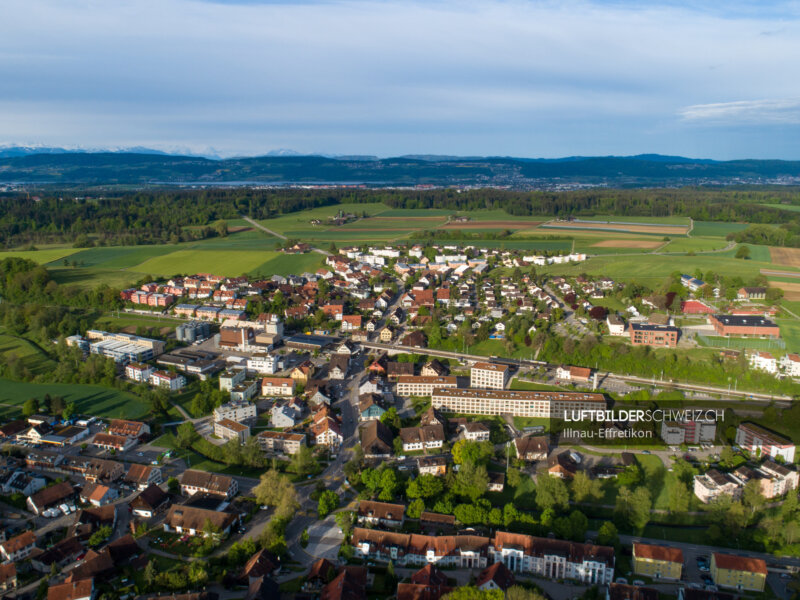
x=463 y=77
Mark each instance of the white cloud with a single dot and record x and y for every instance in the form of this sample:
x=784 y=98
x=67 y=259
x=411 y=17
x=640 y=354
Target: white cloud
x=782 y=111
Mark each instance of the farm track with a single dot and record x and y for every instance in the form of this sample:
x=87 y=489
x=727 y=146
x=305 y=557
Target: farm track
x=279 y=235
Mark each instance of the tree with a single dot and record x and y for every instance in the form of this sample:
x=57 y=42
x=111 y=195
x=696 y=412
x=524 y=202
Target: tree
x=679 y=497
x=425 y=486
x=328 y=502
x=303 y=461
x=68 y=411
x=415 y=508
x=472 y=593
x=100 y=535
x=345 y=521
x=477 y=453
x=514 y=477
x=186 y=435
x=607 y=535
x=277 y=490
x=633 y=507
x=583 y=488
x=752 y=496
x=150 y=573
x=30 y=408
x=552 y=493
x=516 y=592
x=727 y=456
x=471 y=481
x=391 y=419
x=743 y=252
x=173 y=485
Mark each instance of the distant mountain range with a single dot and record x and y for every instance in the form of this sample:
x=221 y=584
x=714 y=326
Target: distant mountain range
x=142 y=166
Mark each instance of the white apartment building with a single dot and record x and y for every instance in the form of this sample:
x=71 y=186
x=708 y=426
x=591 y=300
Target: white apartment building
x=235 y=411
x=761 y=443
x=281 y=441
x=675 y=433
x=763 y=361
x=713 y=484
x=489 y=376
x=514 y=402
x=264 y=364
x=139 y=372
x=277 y=386
x=230 y=379
x=415 y=385
x=164 y=379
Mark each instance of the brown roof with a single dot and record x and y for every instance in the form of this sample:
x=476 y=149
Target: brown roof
x=580 y=372
x=261 y=564
x=189 y=517
x=126 y=428
x=18 y=542
x=349 y=584
x=94 y=491
x=320 y=569
x=621 y=591
x=97 y=515
x=138 y=473
x=95 y=564
x=499 y=573
x=123 y=548
x=376 y=438
x=70 y=591
x=381 y=510
x=399 y=368
x=430 y=574
x=232 y=425
x=487 y=366
x=732 y=562
x=65 y=550
x=7 y=572
x=13 y=427
x=211 y=482
x=535 y=546
x=52 y=495
x=110 y=439
x=151 y=497
x=653 y=552
x=413 y=591
x=423 y=434
x=432 y=517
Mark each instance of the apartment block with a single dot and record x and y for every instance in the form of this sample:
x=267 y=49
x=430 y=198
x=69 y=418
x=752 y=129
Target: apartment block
x=413 y=385
x=489 y=376
x=517 y=403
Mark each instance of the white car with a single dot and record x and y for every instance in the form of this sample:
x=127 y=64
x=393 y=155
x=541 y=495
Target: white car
x=64 y=508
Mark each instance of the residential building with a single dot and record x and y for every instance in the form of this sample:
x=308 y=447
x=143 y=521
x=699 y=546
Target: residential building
x=244 y=391
x=436 y=466
x=302 y=372
x=376 y=440
x=713 y=484
x=236 y=411
x=109 y=441
x=98 y=494
x=263 y=364
x=741 y=573
x=744 y=325
x=385 y=335
x=133 y=429
x=763 y=361
x=675 y=433
x=83 y=589
x=150 y=502
x=760 y=442
x=425 y=437
x=574 y=374
x=281 y=442
x=143 y=476
x=489 y=376
x=412 y=385
x=791 y=364
x=616 y=326
x=283 y=416
x=139 y=372
x=562 y=465
x=50 y=496
x=369 y=407
x=751 y=293
x=327 y=432
x=660 y=336
x=475 y=432
x=543 y=404
x=8 y=577
x=775 y=480
x=231 y=430
x=193 y=482
x=531 y=448
x=277 y=386
x=230 y=379
x=657 y=562
x=434 y=368
x=166 y=379
x=18 y=547
x=692 y=283
x=382 y=514
x=194 y=521
x=495 y=577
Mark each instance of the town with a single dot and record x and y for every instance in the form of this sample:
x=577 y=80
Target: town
x=329 y=434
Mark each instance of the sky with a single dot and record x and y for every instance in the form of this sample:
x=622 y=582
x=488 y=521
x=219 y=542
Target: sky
x=520 y=78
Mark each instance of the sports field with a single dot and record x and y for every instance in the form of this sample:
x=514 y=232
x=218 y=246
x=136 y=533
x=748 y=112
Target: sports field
x=89 y=399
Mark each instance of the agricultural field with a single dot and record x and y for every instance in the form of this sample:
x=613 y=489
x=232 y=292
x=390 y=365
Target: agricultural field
x=789 y=207
x=789 y=257
x=31 y=356
x=648 y=229
x=42 y=257
x=638 y=244
x=230 y=263
x=89 y=399
x=682 y=221
x=715 y=229
x=695 y=244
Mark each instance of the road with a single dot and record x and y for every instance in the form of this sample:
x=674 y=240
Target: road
x=258 y=225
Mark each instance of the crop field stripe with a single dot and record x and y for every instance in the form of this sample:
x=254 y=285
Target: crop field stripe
x=41 y=257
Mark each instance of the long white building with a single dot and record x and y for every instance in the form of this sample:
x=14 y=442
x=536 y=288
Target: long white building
x=514 y=402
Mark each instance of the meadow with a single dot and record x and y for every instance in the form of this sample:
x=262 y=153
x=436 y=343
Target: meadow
x=31 y=356
x=89 y=399
x=42 y=257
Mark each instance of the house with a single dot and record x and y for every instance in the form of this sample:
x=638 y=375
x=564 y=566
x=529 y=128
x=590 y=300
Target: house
x=369 y=407
x=351 y=323
x=98 y=494
x=713 y=484
x=143 y=476
x=776 y=480
x=761 y=442
x=8 y=577
x=281 y=442
x=574 y=374
x=74 y=590
x=150 y=502
x=239 y=411
x=19 y=547
x=495 y=577
x=791 y=364
x=349 y=584
x=436 y=466
x=49 y=497
x=380 y=513
x=302 y=372
x=751 y=293
x=692 y=283
x=415 y=339
x=277 y=386
x=194 y=481
x=376 y=440
x=660 y=336
x=283 y=416
x=497 y=482
x=425 y=437
x=616 y=326
x=657 y=562
x=475 y=432
x=262 y=564
x=763 y=361
x=327 y=432
x=231 y=430
x=60 y=554
x=168 y=380
x=194 y=521
x=531 y=448
x=338 y=366
x=20 y=482
x=434 y=368
x=429 y=583
x=385 y=335
x=117 y=443
x=741 y=573
x=322 y=570
x=139 y=372
x=562 y=465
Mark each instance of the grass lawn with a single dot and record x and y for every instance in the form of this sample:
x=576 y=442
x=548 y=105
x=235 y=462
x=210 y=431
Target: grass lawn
x=518 y=384
x=742 y=343
x=289 y=264
x=89 y=399
x=790 y=333
x=91 y=278
x=229 y=263
x=40 y=256
x=134 y=320
x=523 y=422
x=34 y=359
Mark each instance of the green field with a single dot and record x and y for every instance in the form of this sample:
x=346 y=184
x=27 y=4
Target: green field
x=32 y=357
x=790 y=333
x=290 y=264
x=89 y=399
x=40 y=256
x=301 y=221
x=742 y=343
x=715 y=229
x=230 y=263
x=694 y=244
x=789 y=207
x=115 y=257
x=134 y=320
x=684 y=221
